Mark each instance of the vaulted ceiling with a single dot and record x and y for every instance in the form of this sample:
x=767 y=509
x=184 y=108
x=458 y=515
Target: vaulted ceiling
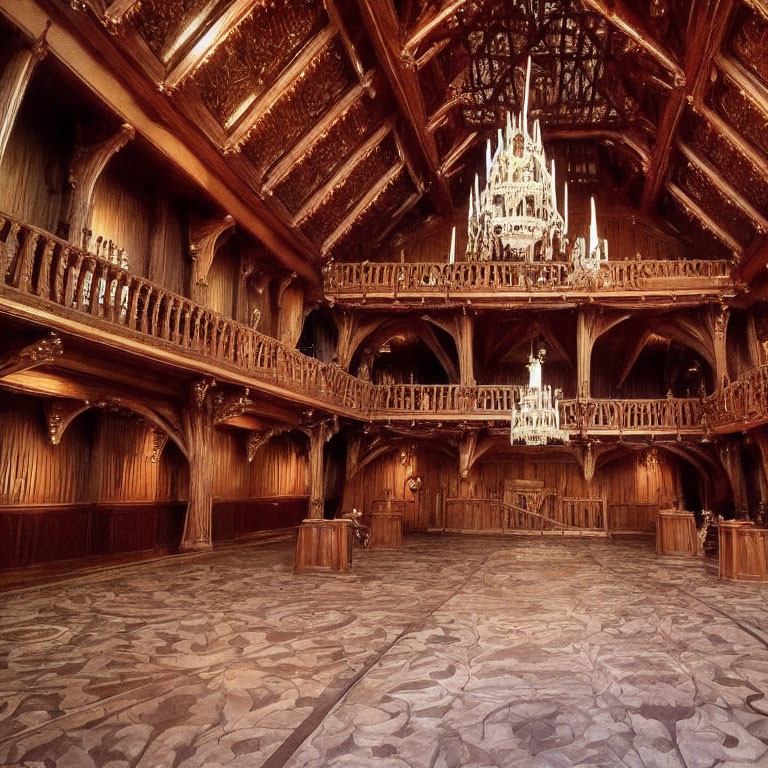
x=345 y=116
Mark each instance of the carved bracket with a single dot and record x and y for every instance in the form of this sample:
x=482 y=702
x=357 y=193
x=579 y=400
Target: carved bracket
x=87 y=166
x=42 y=352
x=159 y=440
x=228 y=405
x=59 y=414
x=203 y=237
x=259 y=438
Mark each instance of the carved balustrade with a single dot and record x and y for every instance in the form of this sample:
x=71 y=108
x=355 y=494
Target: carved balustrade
x=742 y=403
x=38 y=264
x=424 y=279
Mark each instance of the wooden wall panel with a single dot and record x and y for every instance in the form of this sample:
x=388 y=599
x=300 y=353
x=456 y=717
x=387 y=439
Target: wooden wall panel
x=635 y=477
x=222 y=283
x=33 y=175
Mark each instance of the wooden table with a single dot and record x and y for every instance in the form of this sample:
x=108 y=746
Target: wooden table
x=676 y=533
x=324 y=545
x=386 y=530
x=742 y=551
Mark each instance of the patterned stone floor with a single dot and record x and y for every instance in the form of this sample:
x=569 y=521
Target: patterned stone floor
x=454 y=651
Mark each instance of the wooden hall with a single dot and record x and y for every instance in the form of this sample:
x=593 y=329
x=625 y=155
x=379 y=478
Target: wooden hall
x=383 y=383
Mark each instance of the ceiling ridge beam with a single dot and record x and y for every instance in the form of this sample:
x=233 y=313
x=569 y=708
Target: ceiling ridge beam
x=714 y=177
x=708 y=222
x=727 y=131
x=282 y=167
x=362 y=204
x=263 y=103
x=319 y=195
x=632 y=25
x=383 y=27
x=207 y=43
x=703 y=43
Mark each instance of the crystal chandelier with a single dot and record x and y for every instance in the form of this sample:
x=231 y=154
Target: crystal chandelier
x=516 y=216
x=536 y=420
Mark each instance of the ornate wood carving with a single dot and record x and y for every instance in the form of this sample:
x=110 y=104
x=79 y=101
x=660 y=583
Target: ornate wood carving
x=59 y=414
x=591 y=324
x=84 y=172
x=228 y=405
x=383 y=26
x=43 y=352
x=14 y=81
x=203 y=236
x=159 y=440
x=706 y=220
x=319 y=433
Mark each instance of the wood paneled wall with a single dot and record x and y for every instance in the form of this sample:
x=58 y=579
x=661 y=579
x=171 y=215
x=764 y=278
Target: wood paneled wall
x=143 y=219
x=635 y=477
x=33 y=174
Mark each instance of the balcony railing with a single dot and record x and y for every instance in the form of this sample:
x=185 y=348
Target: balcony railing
x=36 y=264
x=473 y=280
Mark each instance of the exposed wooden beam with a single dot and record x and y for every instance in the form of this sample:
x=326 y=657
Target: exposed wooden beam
x=704 y=39
x=437 y=118
x=397 y=216
x=753 y=262
x=427 y=27
x=457 y=151
x=116 y=11
x=362 y=205
x=281 y=168
x=758 y=162
x=621 y=16
x=638 y=147
x=752 y=88
x=242 y=124
x=716 y=179
x=350 y=163
x=381 y=22
x=706 y=220
x=207 y=43
x=759 y=6
x=337 y=20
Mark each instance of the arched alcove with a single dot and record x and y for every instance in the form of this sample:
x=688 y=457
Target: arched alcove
x=319 y=336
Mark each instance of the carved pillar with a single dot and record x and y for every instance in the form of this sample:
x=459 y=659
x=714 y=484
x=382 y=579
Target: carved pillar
x=87 y=166
x=202 y=248
x=198 y=433
x=720 y=319
x=318 y=434
x=14 y=81
x=465 y=348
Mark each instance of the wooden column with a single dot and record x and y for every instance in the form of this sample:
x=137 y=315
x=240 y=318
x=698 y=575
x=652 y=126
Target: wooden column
x=719 y=321
x=198 y=434
x=318 y=434
x=14 y=81
x=465 y=348
x=87 y=165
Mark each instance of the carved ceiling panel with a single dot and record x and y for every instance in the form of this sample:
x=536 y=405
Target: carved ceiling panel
x=255 y=52
x=321 y=83
x=165 y=25
x=356 y=242
x=577 y=75
x=741 y=113
x=749 y=43
x=718 y=205
x=342 y=199
x=330 y=151
x=727 y=159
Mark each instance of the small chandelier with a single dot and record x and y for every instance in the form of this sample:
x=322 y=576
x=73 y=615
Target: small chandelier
x=536 y=421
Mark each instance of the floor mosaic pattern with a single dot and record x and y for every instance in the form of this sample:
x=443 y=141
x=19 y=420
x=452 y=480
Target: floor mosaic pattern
x=453 y=651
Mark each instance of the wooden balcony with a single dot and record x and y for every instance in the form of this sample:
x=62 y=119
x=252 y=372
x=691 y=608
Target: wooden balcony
x=49 y=281
x=646 y=283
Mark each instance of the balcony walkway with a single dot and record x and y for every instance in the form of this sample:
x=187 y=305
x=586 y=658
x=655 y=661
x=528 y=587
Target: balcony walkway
x=453 y=650
x=50 y=282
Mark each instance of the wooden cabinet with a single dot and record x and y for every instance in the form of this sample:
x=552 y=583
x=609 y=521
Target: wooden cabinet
x=386 y=530
x=676 y=533
x=324 y=545
x=742 y=551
